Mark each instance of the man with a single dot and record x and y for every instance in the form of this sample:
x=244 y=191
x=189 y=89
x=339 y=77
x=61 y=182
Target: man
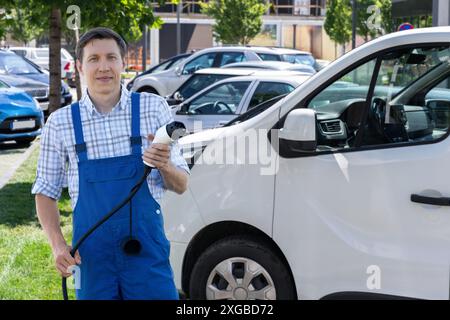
x=98 y=144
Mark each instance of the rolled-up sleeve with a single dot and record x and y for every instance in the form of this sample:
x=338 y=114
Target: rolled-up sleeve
x=52 y=161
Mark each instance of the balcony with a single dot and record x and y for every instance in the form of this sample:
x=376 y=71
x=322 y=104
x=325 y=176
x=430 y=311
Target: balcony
x=290 y=8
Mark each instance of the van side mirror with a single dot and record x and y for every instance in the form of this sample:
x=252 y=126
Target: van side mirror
x=299 y=131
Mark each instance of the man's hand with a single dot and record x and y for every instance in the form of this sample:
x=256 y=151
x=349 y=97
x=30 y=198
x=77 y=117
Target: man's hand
x=63 y=259
x=158 y=154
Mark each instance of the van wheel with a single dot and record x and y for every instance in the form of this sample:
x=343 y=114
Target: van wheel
x=148 y=90
x=240 y=268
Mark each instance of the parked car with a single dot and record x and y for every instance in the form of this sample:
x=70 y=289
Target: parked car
x=320 y=64
x=291 y=56
x=17 y=71
x=204 y=78
x=226 y=99
x=354 y=198
x=21 y=118
x=40 y=56
x=165 y=83
x=272 y=65
x=165 y=65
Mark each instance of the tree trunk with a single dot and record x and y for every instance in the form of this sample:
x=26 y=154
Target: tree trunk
x=55 y=59
x=342 y=50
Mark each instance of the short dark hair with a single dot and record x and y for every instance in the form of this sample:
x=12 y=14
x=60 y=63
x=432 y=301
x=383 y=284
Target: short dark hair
x=100 y=33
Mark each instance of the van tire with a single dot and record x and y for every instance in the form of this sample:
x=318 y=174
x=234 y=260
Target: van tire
x=247 y=248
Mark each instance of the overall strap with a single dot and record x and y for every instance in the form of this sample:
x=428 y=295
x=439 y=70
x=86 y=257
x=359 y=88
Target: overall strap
x=135 y=139
x=80 y=146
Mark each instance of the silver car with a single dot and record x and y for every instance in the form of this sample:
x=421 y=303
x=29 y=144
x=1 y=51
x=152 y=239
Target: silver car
x=225 y=100
x=165 y=83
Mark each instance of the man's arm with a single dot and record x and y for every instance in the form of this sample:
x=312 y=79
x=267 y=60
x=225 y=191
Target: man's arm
x=47 y=187
x=174 y=179
x=159 y=155
x=48 y=214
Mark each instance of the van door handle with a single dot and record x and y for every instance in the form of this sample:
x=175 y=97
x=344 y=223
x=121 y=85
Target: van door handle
x=435 y=201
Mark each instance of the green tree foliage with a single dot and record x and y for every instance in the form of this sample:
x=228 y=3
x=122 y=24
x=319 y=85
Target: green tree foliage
x=338 y=21
x=236 y=21
x=374 y=17
x=127 y=17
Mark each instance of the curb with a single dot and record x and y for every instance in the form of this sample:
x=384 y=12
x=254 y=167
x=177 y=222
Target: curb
x=5 y=178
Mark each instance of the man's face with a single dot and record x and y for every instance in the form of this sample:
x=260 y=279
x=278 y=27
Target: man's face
x=101 y=66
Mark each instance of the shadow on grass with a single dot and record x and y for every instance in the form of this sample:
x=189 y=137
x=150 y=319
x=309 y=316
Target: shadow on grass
x=17 y=205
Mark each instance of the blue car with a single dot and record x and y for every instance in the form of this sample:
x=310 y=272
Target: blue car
x=17 y=71
x=21 y=118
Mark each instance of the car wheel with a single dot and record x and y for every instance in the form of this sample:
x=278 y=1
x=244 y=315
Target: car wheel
x=240 y=268
x=148 y=90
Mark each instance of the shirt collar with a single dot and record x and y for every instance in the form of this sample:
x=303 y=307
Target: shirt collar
x=89 y=105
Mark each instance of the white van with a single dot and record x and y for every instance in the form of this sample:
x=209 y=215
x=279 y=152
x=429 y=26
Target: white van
x=345 y=195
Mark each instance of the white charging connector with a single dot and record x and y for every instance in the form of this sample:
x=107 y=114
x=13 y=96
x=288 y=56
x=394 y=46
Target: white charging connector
x=168 y=134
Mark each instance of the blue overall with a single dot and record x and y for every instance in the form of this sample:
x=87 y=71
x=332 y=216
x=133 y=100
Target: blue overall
x=106 y=271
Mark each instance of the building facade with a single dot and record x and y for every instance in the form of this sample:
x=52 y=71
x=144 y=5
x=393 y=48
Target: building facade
x=288 y=23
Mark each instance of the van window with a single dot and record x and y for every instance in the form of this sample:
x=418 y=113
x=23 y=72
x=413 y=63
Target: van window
x=412 y=98
x=410 y=101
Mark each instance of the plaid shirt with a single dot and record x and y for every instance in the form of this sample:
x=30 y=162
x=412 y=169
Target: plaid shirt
x=106 y=136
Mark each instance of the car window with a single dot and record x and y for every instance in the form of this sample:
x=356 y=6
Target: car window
x=222 y=99
x=176 y=62
x=198 y=82
x=269 y=57
x=410 y=101
x=232 y=57
x=419 y=110
x=3 y=85
x=299 y=59
x=255 y=111
x=162 y=66
x=268 y=90
x=13 y=64
x=201 y=62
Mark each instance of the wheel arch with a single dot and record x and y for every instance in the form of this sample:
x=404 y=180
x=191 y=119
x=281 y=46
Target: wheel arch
x=218 y=231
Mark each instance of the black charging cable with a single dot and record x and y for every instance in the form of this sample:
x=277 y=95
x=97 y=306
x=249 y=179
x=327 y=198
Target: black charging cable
x=131 y=244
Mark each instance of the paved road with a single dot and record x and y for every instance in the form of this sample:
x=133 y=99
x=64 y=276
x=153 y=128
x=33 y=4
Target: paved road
x=11 y=157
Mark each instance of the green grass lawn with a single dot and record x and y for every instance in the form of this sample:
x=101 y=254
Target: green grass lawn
x=26 y=262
